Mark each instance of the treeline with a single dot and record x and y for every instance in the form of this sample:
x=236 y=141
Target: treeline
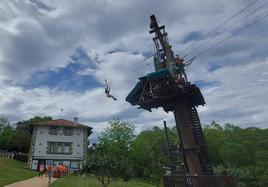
x=241 y=152
x=17 y=137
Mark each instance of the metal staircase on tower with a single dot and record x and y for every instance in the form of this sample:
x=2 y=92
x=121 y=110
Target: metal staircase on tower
x=200 y=142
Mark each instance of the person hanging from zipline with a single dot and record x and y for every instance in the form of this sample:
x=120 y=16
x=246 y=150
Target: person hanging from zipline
x=107 y=91
x=180 y=68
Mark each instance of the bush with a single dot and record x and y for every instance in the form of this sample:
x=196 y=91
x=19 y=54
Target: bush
x=21 y=157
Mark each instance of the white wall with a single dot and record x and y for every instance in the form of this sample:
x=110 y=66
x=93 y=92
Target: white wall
x=34 y=164
x=42 y=137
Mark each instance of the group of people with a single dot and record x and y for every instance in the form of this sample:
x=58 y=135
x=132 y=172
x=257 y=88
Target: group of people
x=52 y=171
x=179 y=66
x=58 y=171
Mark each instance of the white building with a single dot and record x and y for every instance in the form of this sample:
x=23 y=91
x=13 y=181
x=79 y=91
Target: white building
x=58 y=141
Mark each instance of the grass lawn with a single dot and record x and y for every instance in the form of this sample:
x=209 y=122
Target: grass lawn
x=86 y=181
x=13 y=171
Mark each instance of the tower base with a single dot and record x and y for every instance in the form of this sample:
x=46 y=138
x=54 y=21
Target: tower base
x=199 y=181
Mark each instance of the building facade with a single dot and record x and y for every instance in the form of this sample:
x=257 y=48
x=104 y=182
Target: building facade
x=58 y=141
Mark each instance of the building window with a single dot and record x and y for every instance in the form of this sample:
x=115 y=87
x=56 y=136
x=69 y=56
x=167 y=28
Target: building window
x=66 y=163
x=67 y=148
x=53 y=130
x=59 y=148
x=57 y=162
x=74 y=164
x=67 y=131
x=49 y=162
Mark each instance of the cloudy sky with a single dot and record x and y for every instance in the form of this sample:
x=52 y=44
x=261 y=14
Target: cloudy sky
x=56 y=55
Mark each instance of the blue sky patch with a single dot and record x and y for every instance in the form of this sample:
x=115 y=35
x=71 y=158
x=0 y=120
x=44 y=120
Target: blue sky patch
x=195 y=35
x=205 y=84
x=81 y=56
x=66 y=78
x=147 y=54
x=213 y=66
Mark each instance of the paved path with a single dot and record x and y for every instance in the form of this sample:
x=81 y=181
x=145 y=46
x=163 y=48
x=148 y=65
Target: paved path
x=33 y=182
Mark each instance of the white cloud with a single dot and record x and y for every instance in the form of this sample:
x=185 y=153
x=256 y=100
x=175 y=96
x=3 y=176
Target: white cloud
x=240 y=98
x=38 y=37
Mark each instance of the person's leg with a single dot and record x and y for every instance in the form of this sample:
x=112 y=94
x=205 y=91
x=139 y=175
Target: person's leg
x=109 y=95
x=49 y=178
x=113 y=98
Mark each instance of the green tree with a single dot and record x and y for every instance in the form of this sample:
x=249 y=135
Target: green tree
x=215 y=137
x=235 y=155
x=3 y=122
x=150 y=153
x=118 y=131
x=105 y=165
x=6 y=132
x=118 y=137
x=242 y=152
x=22 y=136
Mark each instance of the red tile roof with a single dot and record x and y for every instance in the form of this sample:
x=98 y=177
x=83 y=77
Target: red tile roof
x=61 y=122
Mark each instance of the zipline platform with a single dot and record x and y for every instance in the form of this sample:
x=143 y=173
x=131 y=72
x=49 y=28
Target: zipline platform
x=158 y=89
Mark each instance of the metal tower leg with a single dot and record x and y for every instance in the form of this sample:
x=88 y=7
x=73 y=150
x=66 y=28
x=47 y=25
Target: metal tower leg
x=183 y=122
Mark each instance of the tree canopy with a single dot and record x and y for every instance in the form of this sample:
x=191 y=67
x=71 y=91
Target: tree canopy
x=17 y=137
x=110 y=159
x=6 y=132
x=242 y=152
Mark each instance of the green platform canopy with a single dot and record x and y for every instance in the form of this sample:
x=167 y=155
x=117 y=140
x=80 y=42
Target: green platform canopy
x=158 y=74
x=134 y=96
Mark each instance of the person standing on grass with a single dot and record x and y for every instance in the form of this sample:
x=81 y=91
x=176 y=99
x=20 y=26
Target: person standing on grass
x=61 y=169
x=49 y=173
x=64 y=169
x=54 y=169
x=41 y=169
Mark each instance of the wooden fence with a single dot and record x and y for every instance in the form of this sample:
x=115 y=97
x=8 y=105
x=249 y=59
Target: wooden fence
x=4 y=155
x=14 y=155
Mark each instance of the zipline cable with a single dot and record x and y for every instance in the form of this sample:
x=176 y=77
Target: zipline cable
x=212 y=31
x=244 y=17
x=225 y=39
x=218 y=43
x=220 y=25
